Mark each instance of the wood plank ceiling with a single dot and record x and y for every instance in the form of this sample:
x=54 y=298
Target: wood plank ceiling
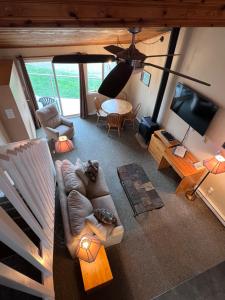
x=51 y=37
x=51 y=22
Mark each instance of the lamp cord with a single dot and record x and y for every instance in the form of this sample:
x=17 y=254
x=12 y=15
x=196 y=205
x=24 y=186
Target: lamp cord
x=185 y=134
x=193 y=192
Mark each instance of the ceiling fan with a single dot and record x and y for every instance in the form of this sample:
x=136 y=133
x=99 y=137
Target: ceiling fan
x=127 y=60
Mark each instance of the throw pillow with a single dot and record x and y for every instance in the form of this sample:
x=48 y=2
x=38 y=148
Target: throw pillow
x=105 y=216
x=79 y=207
x=91 y=171
x=81 y=168
x=80 y=171
x=71 y=180
x=97 y=228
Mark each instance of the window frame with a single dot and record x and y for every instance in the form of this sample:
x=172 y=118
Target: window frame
x=102 y=78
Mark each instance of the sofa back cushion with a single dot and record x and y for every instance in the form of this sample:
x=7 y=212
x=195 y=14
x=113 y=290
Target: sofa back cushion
x=71 y=180
x=79 y=207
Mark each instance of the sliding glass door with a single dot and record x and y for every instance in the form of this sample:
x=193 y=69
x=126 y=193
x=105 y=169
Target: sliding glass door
x=67 y=77
x=58 y=84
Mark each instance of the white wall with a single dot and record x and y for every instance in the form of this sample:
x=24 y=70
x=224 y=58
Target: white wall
x=20 y=99
x=202 y=57
x=140 y=93
x=3 y=136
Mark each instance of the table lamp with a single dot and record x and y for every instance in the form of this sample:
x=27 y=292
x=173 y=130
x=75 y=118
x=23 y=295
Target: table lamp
x=214 y=165
x=63 y=144
x=88 y=248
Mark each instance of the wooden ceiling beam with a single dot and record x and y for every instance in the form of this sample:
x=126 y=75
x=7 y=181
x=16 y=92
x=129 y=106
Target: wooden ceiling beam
x=111 y=13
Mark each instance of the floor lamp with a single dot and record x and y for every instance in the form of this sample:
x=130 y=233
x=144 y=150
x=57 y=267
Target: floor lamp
x=214 y=165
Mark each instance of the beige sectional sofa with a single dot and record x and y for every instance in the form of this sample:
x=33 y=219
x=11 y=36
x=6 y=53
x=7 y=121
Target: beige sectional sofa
x=99 y=196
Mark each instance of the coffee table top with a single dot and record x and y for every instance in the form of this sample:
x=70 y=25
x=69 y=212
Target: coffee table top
x=96 y=273
x=116 y=106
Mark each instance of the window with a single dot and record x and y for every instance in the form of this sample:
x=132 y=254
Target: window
x=95 y=74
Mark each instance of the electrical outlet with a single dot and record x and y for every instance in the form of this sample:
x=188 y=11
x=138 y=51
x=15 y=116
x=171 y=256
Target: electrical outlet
x=210 y=190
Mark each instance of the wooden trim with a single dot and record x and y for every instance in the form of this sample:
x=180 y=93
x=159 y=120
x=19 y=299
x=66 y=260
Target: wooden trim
x=18 y=203
x=15 y=280
x=59 y=14
x=17 y=240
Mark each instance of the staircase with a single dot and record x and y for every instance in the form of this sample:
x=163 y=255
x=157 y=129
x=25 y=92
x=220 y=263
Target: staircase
x=13 y=260
x=27 y=200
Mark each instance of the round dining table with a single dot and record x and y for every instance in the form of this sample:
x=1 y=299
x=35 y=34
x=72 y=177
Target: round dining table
x=116 y=106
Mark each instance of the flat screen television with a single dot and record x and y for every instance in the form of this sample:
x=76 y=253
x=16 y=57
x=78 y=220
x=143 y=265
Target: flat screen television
x=193 y=108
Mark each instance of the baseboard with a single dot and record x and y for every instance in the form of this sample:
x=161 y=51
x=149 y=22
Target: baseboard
x=210 y=206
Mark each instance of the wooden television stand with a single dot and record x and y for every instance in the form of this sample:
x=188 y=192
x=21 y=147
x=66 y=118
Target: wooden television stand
x=162 y=151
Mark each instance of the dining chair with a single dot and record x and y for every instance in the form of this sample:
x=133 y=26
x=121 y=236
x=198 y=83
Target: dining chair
x=114 y=122
x=100 y=113
x=131 y=117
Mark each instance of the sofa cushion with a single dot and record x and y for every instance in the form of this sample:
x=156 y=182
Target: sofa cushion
x=71 y=180
x=79 y=207
x=107 y=203
x=98 y=188
x=101 y=230
x=62 y=129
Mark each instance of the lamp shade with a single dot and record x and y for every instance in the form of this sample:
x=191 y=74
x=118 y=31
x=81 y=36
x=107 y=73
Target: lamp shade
x=88 y=248
x=63 y=144
x=215 y=164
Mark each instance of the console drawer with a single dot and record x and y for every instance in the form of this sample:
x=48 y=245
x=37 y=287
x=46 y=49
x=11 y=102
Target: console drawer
x=156 y=148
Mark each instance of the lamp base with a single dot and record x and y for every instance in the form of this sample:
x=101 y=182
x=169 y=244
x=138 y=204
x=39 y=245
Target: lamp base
x=190 y=195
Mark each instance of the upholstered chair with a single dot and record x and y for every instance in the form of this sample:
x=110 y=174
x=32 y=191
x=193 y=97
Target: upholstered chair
x=53 y=124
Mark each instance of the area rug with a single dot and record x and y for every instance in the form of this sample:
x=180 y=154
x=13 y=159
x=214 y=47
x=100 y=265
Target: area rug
x=139 y=189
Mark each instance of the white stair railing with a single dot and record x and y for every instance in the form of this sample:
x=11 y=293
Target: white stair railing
x=27 y=178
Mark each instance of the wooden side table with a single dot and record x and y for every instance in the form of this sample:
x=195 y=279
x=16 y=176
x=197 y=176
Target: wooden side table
x=96 y=273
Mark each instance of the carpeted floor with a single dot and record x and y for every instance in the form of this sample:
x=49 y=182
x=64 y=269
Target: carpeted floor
x=161 y=248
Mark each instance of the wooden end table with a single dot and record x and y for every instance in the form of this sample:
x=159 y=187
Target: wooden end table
x=96 y=273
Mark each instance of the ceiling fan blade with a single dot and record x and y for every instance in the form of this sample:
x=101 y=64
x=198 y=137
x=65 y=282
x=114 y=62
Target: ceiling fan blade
x=113 y=49
x=83 y=58
x=177 y=73
x=161 y=55
x=116 y=80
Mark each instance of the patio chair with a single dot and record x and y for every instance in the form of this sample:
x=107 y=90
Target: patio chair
x=131 y=117
x=53 y=124
x=114 y=121
x=100 y=113
x=48 y=100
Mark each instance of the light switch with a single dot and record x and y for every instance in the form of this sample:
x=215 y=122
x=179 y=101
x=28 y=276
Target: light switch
x=9 y=113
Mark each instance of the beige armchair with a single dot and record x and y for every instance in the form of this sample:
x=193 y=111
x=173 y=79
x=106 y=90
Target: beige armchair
x=53 y=124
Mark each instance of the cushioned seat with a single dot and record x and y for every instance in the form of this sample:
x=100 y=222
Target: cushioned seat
x=63 y=130
x=98 y=188
x=107 y=203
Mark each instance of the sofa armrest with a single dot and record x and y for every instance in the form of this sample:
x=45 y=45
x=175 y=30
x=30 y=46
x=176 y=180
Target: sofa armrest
x=118 y=231
x=66 y=122
x=51 y=133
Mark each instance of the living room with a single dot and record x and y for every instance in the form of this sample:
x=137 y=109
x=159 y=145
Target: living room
x=177 y=249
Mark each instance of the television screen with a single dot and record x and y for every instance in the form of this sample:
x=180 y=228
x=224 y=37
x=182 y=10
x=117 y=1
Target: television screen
x=193 y=108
